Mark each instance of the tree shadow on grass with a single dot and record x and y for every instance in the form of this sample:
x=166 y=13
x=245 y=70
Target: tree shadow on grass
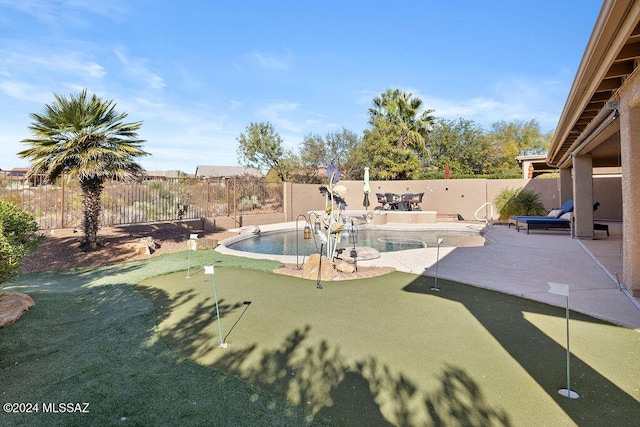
x=193 y=335
x=542 y=357
x=317 y=377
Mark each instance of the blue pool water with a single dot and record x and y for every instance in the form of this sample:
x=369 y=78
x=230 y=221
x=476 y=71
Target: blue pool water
x=284 y=242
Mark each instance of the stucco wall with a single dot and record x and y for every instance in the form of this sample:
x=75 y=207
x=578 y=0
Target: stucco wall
x=608 y=191
x=449 y=197
x=453 y=196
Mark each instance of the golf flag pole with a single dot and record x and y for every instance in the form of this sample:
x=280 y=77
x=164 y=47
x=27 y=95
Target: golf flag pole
x=563 y=290
x=193 y=245
x=435 y=283
x=208 y=269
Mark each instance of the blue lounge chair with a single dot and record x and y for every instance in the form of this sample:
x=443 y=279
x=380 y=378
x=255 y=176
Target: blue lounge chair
x=542 y=222
x=553 y=214
x=546 y=222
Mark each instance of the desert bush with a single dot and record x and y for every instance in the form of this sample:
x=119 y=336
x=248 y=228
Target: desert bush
x=515 y=201
x=529 y=203
x=19 y=236
x=506 y=203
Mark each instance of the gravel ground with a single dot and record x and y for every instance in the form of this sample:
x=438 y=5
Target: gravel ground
x=61 y=248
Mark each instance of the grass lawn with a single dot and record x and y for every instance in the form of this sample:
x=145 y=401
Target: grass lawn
x=380 y=351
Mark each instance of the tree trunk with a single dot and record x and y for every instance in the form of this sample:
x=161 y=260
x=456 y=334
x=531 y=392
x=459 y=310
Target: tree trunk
x=91 y=190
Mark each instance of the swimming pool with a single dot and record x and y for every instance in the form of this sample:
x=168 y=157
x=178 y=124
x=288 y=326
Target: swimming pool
x=383 y=240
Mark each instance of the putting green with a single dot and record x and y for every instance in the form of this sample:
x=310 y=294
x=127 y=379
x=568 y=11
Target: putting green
x=389 y=350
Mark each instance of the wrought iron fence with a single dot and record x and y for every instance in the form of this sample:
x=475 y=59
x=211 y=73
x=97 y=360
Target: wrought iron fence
x=59 y=204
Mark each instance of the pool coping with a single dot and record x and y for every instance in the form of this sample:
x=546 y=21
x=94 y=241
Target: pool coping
x=382 y=261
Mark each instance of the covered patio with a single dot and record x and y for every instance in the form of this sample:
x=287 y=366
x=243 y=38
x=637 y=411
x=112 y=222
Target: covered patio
x=600 y=128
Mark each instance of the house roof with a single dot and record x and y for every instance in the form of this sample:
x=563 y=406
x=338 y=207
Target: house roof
x=18 y=171
x=207 y=171
x=167 y=174
x=588 y=120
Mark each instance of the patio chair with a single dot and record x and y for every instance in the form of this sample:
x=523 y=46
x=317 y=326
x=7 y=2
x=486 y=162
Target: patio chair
x=415 y=201
x=549 y=222
x=553 y=213
x=392 y=200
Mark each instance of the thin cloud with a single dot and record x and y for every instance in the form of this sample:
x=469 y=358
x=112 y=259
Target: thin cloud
x=136 y=68
x=288 y=116
x=69 y=12
x=266 y=61
x=513 y=98
x=24 y=91
x=68 y=62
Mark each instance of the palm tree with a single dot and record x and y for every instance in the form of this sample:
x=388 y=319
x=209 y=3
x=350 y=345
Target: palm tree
x=401 y=109
x=86 y=138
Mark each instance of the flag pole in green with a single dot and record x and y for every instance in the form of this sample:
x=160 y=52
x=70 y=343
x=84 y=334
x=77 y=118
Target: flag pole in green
x=208 y=269
x=193 y=245
x=560 y=289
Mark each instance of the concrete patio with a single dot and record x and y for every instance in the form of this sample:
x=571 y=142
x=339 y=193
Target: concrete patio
x=522 y=264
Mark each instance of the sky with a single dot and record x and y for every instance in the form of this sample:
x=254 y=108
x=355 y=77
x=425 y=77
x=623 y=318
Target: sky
x=197 y=73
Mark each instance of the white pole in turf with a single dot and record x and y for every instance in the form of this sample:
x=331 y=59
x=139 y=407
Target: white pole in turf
x=435 y=283
x=192 y=246
x=208 y=269
x=560 y=289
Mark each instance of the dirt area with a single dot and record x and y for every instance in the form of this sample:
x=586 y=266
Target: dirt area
x=61 y=248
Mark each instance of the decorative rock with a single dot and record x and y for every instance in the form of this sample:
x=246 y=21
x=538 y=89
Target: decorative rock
x=12 y=306
x=144 y=246
x=151 y=244
x=139 y=248
x=202 y=244
x=310 y=268
x=345 y=267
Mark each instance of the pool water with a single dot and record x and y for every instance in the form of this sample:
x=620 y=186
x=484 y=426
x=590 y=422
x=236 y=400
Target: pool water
x=284 y=242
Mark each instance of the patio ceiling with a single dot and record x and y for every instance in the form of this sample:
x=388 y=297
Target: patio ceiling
x=589 y=123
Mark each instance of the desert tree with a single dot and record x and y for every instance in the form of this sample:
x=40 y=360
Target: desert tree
x=86 y=138
x=404 y=111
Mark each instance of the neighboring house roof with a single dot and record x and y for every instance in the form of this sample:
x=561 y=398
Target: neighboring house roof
x=206 y=171
x=167 y=174
x=18 y=171
x=534 y=165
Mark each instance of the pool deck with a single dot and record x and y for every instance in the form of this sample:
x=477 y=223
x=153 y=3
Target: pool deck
x=522 y=264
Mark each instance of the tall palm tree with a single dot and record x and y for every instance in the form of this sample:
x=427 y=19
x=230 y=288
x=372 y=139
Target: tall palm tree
x=86 y=138
x=402 y=109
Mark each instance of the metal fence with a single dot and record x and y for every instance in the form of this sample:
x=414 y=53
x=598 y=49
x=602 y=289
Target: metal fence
x=59 y=204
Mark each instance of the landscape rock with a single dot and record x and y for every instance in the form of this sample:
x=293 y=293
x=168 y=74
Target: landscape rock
x=310 y=268
x=345 y=267
x=203 y=244
x=13 y=305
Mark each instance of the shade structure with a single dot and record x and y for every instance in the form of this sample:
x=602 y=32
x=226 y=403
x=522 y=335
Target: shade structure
x=366 y=189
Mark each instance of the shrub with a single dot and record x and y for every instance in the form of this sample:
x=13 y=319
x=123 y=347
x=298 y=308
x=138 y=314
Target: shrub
x=506 y=203
x=530 y=203
x=19 y=236
x=514 y=201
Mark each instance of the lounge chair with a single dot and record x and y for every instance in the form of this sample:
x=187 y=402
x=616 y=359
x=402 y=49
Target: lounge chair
x=542 y=222
x=553 y=213
x=548 y=222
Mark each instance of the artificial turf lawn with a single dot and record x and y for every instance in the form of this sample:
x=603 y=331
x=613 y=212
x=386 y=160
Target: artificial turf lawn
x=391 y=350
x=91 y=337
x=379 y=351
